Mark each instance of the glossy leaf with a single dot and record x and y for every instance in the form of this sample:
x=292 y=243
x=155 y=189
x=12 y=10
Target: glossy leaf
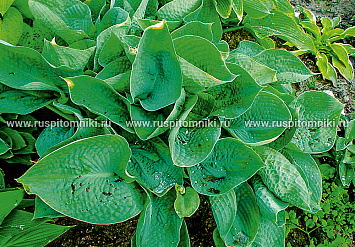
x=156 y=57
x=93 y=184
x=56 y=16
x=346 y=173
x=245 y=225
x=283 y=178
x=11 y=25
x=270 y=206
x=186 y=204
x=85 y=91
x=152 y=166
x=224 y=208
x=159 y=225
x=9 y=199
x=176 y=10
x=234 y=98
x=261 y=124
x=321 y=112
x=327 y=70
x=43 y=210
x=229 y=164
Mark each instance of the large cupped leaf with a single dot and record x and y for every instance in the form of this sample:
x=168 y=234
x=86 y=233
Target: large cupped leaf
x=201 y=63
x=11 y=26
x=187 y=203
x=100 y=98
x=288 y=67
x=156 y=78
x=19 y=229
x=270 y=206
x=176 y=10
x=24 y=68
x=283 y=26
x=60 y=16
x=261 y=123
x=317 y=123
x=310 y=172
x=234 y=98
x=207 y=13
x=65 y=56
x=86 y=180
x=159 y=225
x=9 y=199
x=269 y=234
x=283 y=178
x=245 y=224
x=224 y=208
x=152 y=166
x=261 y=73
x=229 y=164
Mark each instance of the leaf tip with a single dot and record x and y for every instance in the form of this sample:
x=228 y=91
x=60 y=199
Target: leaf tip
x=69 y=82
x=159 y=25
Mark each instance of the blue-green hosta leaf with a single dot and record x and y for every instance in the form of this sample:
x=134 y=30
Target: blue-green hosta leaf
x=19 y=229
x=260 y=73
x=59 y=17
x=176 y=10
x=270 y=206
x=43 y=210
x=4 y=6
x=11 y=26
x=159 y=225
x=148 y=124
x=327 y=70
x=249 y=48
x=201 y=63
x=100 y=98
x=119 y=66
x=9 y=199
x=156 y=78
x=184 y=236
x=245 y=225
x=310 y=172
x=95 y=7
x=140 y=13
x=283 y=26
x=269 y=234
x=145 y=23
x=51 y=136
x=346 y=173
x=24 y=68
x=65 y=56
x=318 y=117
x=17 y=141
x=256 y=9
x=207 y=13
x=152 y=166
x=224 y=8
x=229 y=164
x=112 y=17
x=223 y=48
x=4 y=147
x=120 y=82
x=186 y=204
x=234 y=98
x=110 y=35
x=87 y=128
x=289 y=68
x=85 y=180
x=283 y=179
x=202 y=109
x=196 y=28
x=342 y=62
x=191 y=145
x=261 y=124
x=218 y=241
x=30 y=144
x=25 y=102
x=224 y=208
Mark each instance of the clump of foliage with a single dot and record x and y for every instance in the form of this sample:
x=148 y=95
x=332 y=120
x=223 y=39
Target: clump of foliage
x=334 y=224
x=134 y=63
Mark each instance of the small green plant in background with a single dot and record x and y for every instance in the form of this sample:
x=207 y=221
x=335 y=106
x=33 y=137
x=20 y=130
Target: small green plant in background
x=329 y=54
x=334 y=224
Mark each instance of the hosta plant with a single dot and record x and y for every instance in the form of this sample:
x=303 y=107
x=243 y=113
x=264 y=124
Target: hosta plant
x=186 y=116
